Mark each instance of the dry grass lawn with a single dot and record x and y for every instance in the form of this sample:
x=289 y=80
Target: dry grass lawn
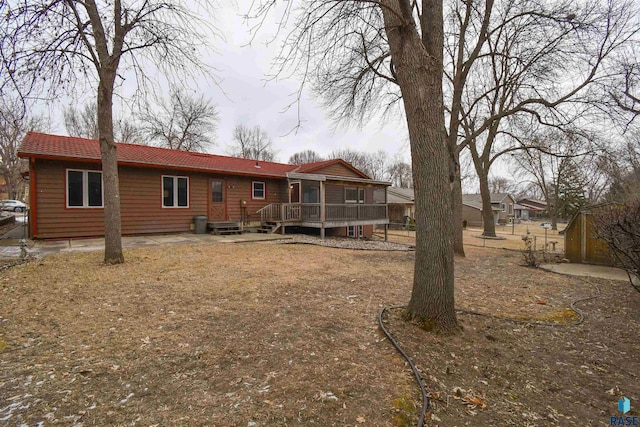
x=282 y=334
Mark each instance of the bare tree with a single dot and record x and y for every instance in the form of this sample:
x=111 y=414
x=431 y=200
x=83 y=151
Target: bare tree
x=303 y=157
x=181 y=123
x=400 y=173
x=14 y=124
x=538 y=70
x=500 y=184
x=252 y=143
x=48 y=45
x=372 y=164
x=405 y=40
x=552 y=167
x=83 y=123
x=623 y=170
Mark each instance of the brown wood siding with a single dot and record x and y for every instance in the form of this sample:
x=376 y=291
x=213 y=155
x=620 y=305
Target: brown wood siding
x=579 y=234
x=572 y=240
x=334 y=194
x=240 y=188
x=141 y=201
x=337 y=170
x=597 y=251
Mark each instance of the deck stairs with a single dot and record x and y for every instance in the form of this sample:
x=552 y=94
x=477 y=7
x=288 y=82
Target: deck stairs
x=224 y=227
x=269 y=227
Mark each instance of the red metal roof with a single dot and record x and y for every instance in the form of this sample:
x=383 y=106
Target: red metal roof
x=39 y=145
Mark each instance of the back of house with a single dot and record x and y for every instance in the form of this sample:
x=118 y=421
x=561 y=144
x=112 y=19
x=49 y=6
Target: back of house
x=162 y=190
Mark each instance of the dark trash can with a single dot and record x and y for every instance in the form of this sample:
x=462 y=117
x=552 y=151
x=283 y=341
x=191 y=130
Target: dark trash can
x=200 y=224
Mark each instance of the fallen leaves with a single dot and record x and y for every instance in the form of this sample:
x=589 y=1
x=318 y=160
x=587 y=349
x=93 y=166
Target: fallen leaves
x=468 y=398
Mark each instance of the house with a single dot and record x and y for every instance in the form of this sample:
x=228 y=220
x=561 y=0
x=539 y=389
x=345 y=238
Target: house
x=162 y=190
x=580 y=243
x=402 y=204
x=530 y=209
x=502 y=205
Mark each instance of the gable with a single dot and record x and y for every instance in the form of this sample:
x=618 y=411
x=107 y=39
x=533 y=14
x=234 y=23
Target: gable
x=332 y=167
x=338 y=169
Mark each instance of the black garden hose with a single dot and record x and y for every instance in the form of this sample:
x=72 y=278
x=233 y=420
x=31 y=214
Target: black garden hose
x=416 y=373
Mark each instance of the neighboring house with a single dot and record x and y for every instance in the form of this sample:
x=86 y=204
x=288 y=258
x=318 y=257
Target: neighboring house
x=580 y=243
x=162 y=190
x=530 y=209
x=502 y=205
x=402 y=204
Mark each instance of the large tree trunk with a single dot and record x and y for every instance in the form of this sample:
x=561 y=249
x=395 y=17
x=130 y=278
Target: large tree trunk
x=456 y=204
x=418 y=67
x=112 y=226
x=488 y=219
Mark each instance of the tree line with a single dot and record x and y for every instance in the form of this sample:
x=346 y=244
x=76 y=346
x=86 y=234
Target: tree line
x=480 y=79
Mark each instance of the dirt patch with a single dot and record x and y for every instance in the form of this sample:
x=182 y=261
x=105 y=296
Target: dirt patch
x=264 y=334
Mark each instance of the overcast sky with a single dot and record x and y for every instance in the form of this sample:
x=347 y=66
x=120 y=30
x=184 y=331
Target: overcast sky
x=246 y=97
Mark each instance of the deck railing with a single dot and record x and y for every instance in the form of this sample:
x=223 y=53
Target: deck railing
x=295 y=212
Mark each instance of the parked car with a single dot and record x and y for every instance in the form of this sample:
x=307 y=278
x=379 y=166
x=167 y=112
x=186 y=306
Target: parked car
x=13 y=205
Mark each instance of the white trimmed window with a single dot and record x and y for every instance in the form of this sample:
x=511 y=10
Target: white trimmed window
x=175 y=191
x=258 y=190
x=84 y=189
x=351 y=231
x=503 y=207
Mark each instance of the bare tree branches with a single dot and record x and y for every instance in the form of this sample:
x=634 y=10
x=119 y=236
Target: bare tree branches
x=252 y=143
x=83 y=123
x=181 y=122
x=47 y=45
x=303 y=157
x=14 y=124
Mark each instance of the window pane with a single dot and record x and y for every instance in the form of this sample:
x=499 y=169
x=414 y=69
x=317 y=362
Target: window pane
x=167 y=191
x=183 y=192
x=258 y=190
x=94 y=180
x=217 y=196
x=361 y=195
x=351 y=195
x=74 y=188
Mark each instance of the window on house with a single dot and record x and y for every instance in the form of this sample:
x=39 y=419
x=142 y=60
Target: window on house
x=361 y=195
x=510 y=209
x=84 y=189
x=352 y=229
x=258 y=190
x=351 y=195
x=503 y=207
x=175 y=191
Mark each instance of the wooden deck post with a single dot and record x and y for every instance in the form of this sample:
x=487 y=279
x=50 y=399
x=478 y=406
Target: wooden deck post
x=386 y=232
